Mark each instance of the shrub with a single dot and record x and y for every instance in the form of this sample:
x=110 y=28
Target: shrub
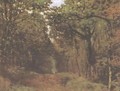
x=81 y=84
x=65 y=77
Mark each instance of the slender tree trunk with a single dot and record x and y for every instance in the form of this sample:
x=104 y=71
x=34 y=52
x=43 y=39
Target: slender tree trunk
x=110 y=78
x=109 y=68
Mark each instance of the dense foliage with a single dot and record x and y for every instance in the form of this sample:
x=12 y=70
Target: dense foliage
x=81 y=37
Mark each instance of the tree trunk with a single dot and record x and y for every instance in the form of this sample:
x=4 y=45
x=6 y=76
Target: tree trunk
x=110 y=78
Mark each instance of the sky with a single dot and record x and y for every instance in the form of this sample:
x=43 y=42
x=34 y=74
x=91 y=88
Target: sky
x=56 y=3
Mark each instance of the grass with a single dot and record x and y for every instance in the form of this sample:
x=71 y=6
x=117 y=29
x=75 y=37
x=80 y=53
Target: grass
x=21 y=88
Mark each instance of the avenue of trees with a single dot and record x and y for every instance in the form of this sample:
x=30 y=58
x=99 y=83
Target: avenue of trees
x=81 y=36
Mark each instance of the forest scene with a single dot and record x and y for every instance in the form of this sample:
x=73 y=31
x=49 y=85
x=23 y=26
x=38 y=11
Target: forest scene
x=59 y=45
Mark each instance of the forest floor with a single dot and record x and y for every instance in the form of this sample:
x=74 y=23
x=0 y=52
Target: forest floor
x=18 y=79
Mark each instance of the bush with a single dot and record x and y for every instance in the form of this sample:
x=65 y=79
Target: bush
x=82 y=84
x=65 y=77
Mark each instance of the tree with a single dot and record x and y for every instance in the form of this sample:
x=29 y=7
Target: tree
x=22 y=27
x=82 y=19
